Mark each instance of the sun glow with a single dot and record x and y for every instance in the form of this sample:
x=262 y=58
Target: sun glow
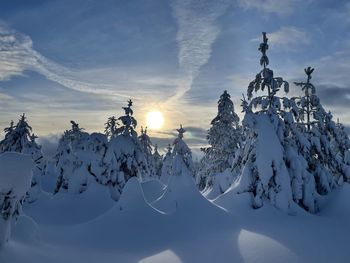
x=154 y=120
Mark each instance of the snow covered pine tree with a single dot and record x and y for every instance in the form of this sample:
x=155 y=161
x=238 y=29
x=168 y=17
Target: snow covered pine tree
x=225 y=138
x=158 y=161
x=182 y=157
x=19 y=138
x=273 y=169
x=166 y=167
x=326 y=143
x=124 y=157
x=72 y=160
x=146 y=147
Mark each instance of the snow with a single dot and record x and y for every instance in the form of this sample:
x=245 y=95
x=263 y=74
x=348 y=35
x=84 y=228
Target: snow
x=203 y=232
x=180 y=225
x=152 y=189
x=48 y=209
x=15 y=173
x=15 y=180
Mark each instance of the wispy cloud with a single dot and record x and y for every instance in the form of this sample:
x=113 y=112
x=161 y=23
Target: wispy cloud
x=18 y=55
x=280 y=7
x=197 y=31
x=287 y=38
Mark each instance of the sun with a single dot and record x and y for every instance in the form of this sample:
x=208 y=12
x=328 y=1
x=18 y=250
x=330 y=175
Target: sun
x=154 y=120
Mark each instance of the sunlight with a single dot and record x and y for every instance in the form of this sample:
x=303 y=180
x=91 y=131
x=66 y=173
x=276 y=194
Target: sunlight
x=154 y=120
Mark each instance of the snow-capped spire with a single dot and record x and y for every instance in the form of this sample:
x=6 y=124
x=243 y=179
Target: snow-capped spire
x=128 y=110
x=181 y=132
x=75 y=126
x=128 y=121
x=264 y=60
x=265 y=78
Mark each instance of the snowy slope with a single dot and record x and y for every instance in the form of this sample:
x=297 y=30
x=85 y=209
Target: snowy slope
x=65 y=208
x=196 y=231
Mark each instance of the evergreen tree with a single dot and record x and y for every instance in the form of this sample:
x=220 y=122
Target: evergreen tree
x=146 y=147
x=182 y=157
x=225 y=139
x=157 y=161
x=71 y=163
x=124 y=157
x=167 y=166
x=111 y=127
x=326 y=141
x=19 y=138
x=273 y=168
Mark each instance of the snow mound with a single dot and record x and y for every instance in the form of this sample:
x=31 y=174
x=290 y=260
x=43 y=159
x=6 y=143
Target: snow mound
x=152 y=189
x=64 y=208
x=183 y=200
x=132 y=196
x=132 y=217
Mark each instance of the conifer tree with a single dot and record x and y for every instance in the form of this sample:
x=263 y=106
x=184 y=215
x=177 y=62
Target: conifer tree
x=182 y=156
x=225 y=140
x=19 y=138
x=167 y=166
x=124 y=157
x=157 y=161
x=273 y=169
x=111 y=127
x=146 y=147
x=326 y=141
x=70 y=163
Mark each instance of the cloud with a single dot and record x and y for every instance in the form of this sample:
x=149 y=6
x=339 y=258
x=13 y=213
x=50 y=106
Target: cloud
x=331 y=95
x=49 y=144
x=287 y=38
x=197 y=31
x=268 y=6
x=18 y=55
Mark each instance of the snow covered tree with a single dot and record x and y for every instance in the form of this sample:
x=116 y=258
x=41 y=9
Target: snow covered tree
x=182 y=156
x=72 y=161
x=157 y=161
x=111 y=127
x=19 y=138
x=124 y=157
x=273 y=168
x=225 y=140
x=146 y=147
x=167 y=166
x=327 y=143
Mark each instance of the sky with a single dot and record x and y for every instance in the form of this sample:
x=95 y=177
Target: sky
x=82 y=60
